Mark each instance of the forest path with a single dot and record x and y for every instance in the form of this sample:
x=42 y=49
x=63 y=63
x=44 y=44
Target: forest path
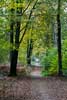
x=20 y=88
x=36 y=72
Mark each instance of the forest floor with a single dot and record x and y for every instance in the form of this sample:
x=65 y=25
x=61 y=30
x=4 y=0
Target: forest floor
x=33 y=88
x=26 y=88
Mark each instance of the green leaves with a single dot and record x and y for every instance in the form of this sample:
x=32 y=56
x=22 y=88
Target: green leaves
x=38 y=20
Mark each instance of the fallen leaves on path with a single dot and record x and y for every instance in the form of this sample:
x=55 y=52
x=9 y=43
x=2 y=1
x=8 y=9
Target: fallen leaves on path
x=51 y=88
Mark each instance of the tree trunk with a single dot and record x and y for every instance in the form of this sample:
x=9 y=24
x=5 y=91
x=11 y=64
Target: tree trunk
x=13 y=64
x=59 y=41
x=14 y=52
x=54 y=34
x=15 y=44
x=29 y=50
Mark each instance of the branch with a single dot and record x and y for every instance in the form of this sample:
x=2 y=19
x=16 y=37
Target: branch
x=21 y=14
x=22 y=28
x=26 y=8
x=28 y=21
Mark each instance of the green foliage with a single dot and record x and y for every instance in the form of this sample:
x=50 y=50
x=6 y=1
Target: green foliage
x=45 y=73
x=40 y=24
x=64 y=52
x=4 y=52
x=49 y=61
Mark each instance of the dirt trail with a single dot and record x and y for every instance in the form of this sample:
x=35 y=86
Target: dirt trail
x=36 y=72
x=51 y=88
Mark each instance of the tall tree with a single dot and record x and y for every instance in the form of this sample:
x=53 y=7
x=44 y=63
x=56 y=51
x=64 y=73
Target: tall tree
x=59 y=40
x=29 y=50
x=17 y=41
x=14 y=51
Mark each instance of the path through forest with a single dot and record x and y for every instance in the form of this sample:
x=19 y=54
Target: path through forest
x=20 y=88
x=36 y=72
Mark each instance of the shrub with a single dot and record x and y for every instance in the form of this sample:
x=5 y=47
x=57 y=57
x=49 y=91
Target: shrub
x=49 y=62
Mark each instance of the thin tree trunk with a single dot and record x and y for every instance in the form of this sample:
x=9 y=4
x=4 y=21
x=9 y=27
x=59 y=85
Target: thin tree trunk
x=59 y=41
x=29 y=51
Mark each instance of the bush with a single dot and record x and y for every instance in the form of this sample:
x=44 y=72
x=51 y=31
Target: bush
x=64 y=60
x=50 y=62
x=3 y=56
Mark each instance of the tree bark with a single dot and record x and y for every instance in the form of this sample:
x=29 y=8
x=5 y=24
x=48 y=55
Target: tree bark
x=60 y=73
x=13 y=63
x=14 y=52
x=29 y=51
x=15 y=43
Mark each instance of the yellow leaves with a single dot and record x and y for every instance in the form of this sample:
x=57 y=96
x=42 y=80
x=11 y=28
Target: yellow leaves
x=2 y=4
x=15 y=5
x=12 y=4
